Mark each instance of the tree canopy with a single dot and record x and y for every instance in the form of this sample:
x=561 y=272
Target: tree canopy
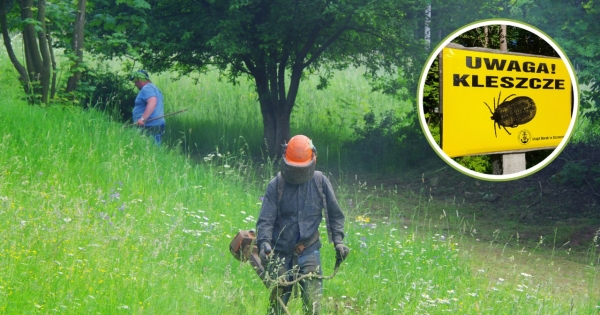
x=572 y=24
x=277 y=43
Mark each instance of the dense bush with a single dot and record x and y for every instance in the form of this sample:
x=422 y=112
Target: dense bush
x=108 y=92
x=388 y=142
x=582 y=167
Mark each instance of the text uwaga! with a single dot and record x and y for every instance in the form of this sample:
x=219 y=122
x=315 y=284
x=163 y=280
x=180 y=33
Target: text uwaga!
x=492 y=81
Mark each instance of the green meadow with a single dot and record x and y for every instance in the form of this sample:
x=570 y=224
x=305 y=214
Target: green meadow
x=96 y=219
x=225 y=116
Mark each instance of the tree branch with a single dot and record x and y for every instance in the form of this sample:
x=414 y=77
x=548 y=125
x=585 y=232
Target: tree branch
x=328 y=43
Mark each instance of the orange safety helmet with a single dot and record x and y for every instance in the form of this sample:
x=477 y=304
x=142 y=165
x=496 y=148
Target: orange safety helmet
x=300 y=151
x=299 y=160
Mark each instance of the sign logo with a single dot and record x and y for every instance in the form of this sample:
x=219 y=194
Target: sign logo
x=524 y=136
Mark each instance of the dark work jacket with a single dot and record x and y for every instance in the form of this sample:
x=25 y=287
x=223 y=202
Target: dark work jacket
x=298 y=216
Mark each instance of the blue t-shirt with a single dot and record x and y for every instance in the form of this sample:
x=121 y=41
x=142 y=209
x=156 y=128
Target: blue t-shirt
x=149 y=90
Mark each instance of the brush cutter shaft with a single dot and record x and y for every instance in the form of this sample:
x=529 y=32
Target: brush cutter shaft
x=159 y=117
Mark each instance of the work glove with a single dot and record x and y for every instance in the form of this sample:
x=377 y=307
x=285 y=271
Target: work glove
x=341 y=251
x=265 y=252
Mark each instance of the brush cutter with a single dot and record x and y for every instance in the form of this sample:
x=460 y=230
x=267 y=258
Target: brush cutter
x=244 y=249
x=159 y=117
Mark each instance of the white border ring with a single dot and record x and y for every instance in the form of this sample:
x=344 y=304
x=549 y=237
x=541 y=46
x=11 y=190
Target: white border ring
x=438 y=149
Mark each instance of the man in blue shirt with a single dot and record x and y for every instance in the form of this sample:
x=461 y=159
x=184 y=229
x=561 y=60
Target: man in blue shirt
x=148 y=105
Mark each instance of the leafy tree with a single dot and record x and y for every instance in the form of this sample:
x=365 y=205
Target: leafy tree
x=449 y=15
x=44 y=26
x=574 y=26
x=113 y=26
x=36 y=46
x=5 y=8
x=276 y=43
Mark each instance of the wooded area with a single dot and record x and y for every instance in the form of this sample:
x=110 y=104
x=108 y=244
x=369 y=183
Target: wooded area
x=275 y=43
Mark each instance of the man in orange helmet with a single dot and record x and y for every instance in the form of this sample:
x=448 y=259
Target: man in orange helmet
x=288 y=224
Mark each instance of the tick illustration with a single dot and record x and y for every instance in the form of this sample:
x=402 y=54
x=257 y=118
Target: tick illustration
x=512 y=113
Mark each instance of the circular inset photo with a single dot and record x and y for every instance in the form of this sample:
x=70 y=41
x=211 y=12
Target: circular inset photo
x=498 y=100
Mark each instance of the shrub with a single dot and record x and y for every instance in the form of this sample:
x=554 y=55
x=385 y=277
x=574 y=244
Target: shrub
x=388 y=142
x=108 y=92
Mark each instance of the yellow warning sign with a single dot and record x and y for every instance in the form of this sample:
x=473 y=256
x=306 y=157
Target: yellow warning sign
x=499 y=102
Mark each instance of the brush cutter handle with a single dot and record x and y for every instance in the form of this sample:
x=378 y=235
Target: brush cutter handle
x=338 y=262
x=163 y=116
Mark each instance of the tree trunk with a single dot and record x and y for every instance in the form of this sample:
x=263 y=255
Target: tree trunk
x=486 y=32
x=276 y=119
x=35 y=63
x=427 y=28
x=269 y=73
x=53 y=61
x=37 y=49
x=503 y=43
x=23 y=77
x=275 y=104
x=44 y=50
x=276 y=129
x=77 y=45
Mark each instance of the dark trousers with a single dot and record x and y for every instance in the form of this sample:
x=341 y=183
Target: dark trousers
x=311 y=289
x=155 y=132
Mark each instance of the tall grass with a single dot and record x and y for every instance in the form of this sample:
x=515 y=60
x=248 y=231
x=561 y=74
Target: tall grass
x=97 y=219
x=220 y=113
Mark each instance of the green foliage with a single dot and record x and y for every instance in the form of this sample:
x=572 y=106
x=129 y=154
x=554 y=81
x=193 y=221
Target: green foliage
x=574 y=26
x=112 y=26
x=574 y=174
x=277 y=44
x=60 y=17
x=374 y=140
x=517 y=40
x=448 y=16
x=477 y=163
x=431 y=95
x=108 y=92
x=388 y=142
x=582 y=168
